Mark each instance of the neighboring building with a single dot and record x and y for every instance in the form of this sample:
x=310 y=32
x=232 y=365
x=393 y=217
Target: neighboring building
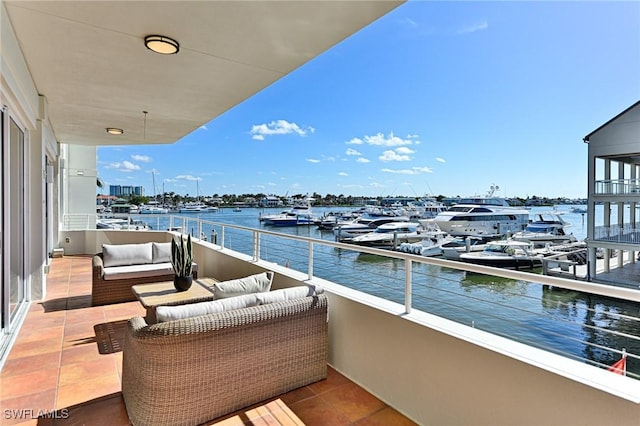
x=125 y=190
x=614 y=182
x=271 y=201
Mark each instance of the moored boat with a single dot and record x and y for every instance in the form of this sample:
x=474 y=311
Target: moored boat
x=507 y=254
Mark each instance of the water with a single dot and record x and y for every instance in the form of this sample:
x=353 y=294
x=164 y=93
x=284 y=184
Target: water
x=574 y=324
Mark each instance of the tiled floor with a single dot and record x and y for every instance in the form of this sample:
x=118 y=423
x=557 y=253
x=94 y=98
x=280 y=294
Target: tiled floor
x=62 y=370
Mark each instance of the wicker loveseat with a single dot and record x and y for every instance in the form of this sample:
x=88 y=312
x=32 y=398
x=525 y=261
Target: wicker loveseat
x=189 y=371
x=119 y=267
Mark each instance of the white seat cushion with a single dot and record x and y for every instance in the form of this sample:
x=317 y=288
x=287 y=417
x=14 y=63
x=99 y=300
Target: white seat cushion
x=285 y=294
x=138 y=271
x=161 y=252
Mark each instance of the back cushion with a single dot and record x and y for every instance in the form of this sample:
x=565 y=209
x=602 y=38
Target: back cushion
x=172 y=313
x=126 y=254
x=161 y=252
x=285 y=294
x=252 y=284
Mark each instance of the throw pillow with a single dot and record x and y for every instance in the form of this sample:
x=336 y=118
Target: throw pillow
x=126 y=254
x=285 y=294
x=161 y=252
x=252 y=284
x=172 y=313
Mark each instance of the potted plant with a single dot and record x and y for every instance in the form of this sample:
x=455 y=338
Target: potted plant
x=182 y=261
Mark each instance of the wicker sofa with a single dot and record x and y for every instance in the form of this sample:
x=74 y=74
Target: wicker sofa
x=189 y=371
x=119 y=267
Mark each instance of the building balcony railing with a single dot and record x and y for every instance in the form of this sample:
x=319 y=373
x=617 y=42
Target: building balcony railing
x=626 y=234
x=618 y=187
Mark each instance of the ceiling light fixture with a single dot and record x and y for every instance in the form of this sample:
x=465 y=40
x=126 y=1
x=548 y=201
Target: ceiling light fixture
x=114 y=131
x=161 y=44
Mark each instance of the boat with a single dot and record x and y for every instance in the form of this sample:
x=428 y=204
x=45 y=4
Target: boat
x=152 y=207
x=507 y=254
x=453 y=248
x=126 y=224
x=483 y=215
x=296 y=216
x=546 y=229
x=390 y=235
x=364 y=224
x=196 y=207
x=580 y=210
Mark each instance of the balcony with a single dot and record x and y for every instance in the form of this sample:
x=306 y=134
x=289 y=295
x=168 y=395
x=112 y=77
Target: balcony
x=618 y=187
x=620 y=234
x=66 y=364
x=403 y=359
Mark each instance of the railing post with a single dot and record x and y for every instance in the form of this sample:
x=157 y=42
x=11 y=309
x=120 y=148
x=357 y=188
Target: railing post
x=310 y=272
x=256 y=246
x=222 y=237
x=407 y=286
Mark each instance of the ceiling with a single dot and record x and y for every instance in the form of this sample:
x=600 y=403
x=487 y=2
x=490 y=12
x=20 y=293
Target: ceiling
x=89 y=60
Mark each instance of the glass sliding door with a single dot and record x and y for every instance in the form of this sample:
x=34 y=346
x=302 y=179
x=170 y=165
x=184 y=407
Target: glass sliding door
x=15 y=238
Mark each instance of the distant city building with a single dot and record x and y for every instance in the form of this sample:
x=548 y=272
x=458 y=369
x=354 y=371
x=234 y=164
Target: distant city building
x=125 y=190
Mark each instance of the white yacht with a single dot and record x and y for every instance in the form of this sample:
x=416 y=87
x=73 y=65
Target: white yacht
x=363 y=225
x=546 y=229
x=507 y=254
x=391 y=234
x=483 y=216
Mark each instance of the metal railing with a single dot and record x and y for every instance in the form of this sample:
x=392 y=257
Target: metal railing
x=626 y=233
x=454 y=290
x=617 y=187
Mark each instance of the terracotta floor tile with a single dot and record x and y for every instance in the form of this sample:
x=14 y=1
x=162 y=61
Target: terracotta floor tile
x=87 y=390
x=25 y=349
x=333 y=380
x=86 y=371
x=353 y=401
x=94 y=314
x=385 y=417
x=81 y=353
x=317 y=412
x=297 y=395
x=31 y=334
x=34 y=382
x=24 y=365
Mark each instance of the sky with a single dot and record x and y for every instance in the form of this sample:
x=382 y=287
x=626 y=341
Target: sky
x=435 y=98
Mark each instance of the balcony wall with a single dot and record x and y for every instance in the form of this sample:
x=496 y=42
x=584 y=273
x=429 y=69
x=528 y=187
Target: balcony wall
x=433 y=370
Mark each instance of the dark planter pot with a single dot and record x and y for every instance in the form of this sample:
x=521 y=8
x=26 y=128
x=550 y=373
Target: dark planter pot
x=182 y=283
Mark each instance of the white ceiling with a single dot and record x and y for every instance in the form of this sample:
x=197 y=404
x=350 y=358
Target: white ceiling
x=89 y=60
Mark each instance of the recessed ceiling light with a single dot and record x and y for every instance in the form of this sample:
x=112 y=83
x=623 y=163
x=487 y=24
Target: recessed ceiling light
x=161 y=44
x=114 y=131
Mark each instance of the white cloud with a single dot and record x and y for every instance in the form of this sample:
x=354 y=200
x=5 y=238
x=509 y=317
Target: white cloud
x=352 y=151
x=343 y=174
x=355 y=141
x=313 y=160
x=404 y=150
x=440 y=160
x=143 y=158
x=382 y=140
x=188 y=177
x=393 y=156
x=362 y=160
x=125 y=166
x=203 y=127
x=278 y=127
x=478 y=26
x=411 y=171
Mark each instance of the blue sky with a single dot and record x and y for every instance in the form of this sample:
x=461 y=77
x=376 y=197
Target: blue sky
x=434 y=98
